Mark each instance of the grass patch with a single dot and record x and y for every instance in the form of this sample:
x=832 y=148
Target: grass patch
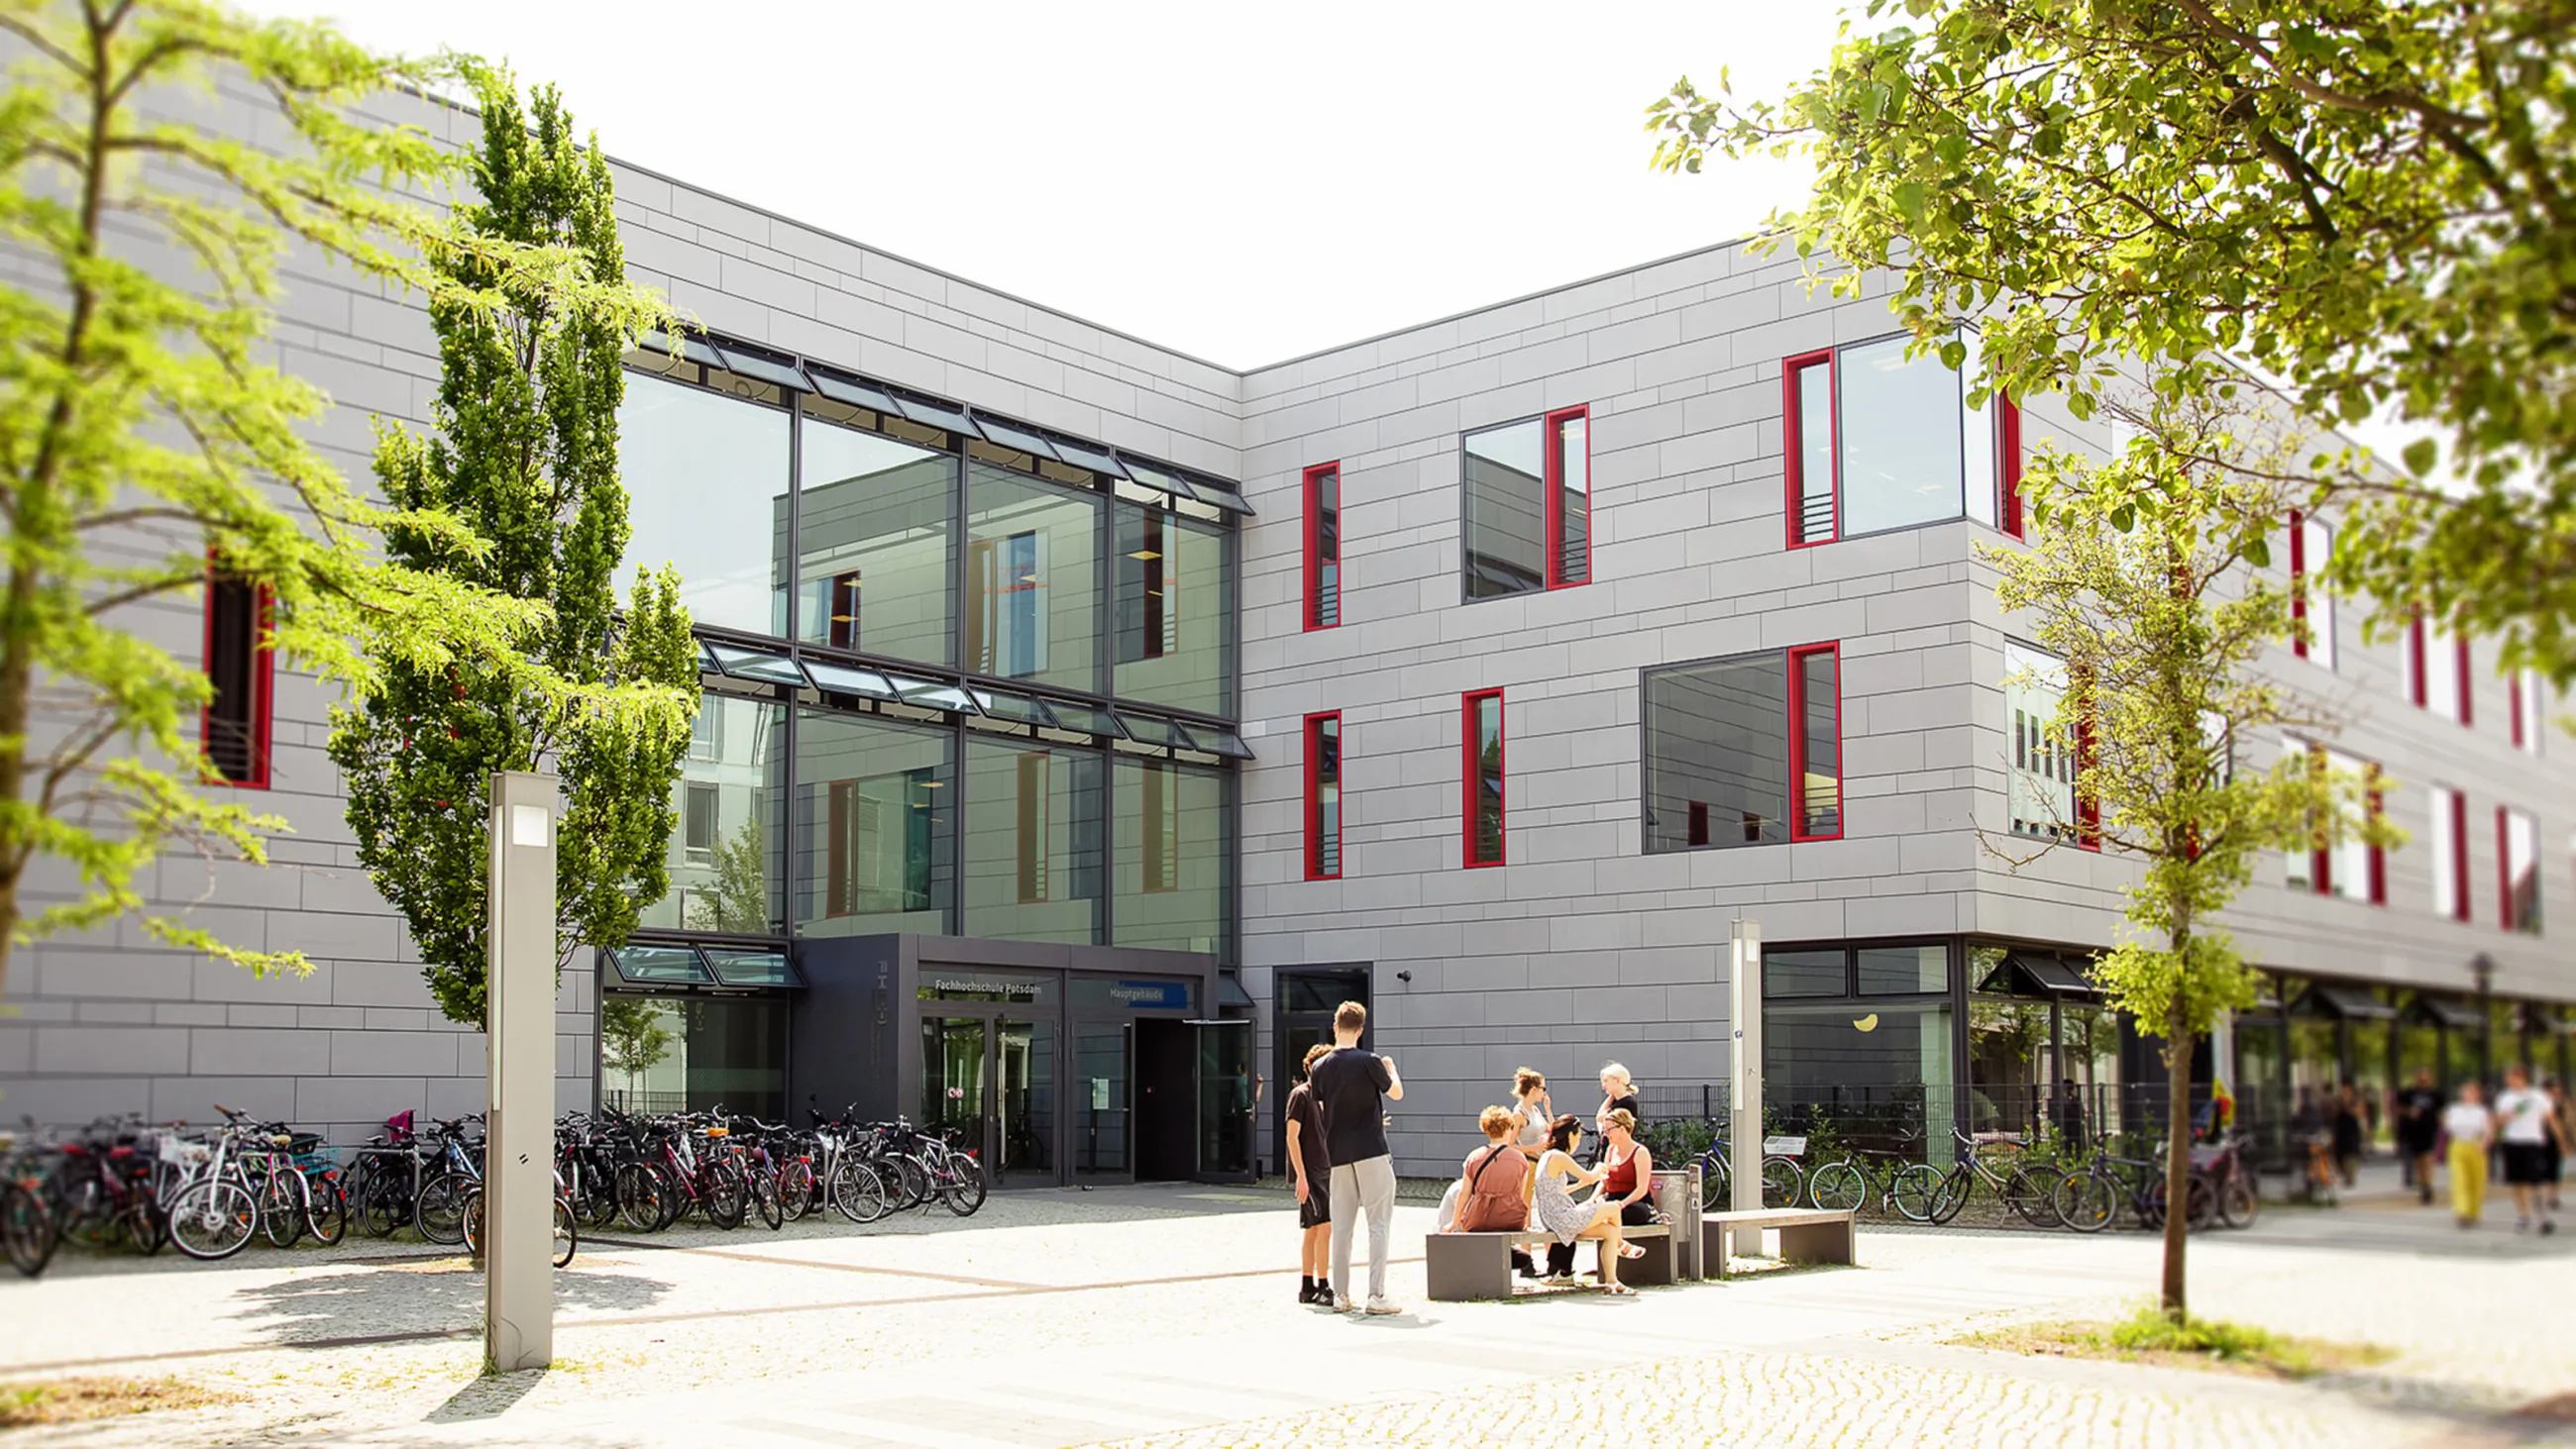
x=2151 y=1338
x=66 y=1401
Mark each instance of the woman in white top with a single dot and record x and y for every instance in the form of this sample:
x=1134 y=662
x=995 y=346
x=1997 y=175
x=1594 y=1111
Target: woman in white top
x=2471 y=1127
x=1531 y=1111
x=2527 y=1125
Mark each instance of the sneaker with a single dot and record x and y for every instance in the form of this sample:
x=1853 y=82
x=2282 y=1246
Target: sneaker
x=2522 y=1225
x=1306 y=1290
x=1381 y=1307
x=2547 y=1227
x=1342 y=1303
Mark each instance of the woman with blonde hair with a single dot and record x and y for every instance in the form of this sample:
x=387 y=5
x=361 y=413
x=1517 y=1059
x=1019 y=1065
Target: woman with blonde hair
x=1554 y=1210
x=1618 y=1094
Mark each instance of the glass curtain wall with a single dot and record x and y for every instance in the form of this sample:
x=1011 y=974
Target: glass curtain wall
x=1175 y=595
x=1172 y=855
x=723 y=859
x=1033 y=842
x=876 y=546
x=1856 y=1045
x=1032 y=580
x=876 y=826
x=706 y=479
x=694 y=1053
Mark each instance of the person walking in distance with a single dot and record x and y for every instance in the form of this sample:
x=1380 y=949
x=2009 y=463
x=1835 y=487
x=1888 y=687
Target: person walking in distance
x=2419 y=1125
x=2471 y=1128
x=1353 y=1086
x=2528 y=1127
x=1311 y=1172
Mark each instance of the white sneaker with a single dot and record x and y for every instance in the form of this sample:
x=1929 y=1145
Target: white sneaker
x=1379 y=1305
x=1342 y=1303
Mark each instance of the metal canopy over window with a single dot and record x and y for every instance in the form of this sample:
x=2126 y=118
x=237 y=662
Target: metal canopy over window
x=1214 y=741
x=1230 y=993
x=1148 y=730
x=1089 y=718
x=660 y=966
x=691 y=347
x=931 y=695
x=1220 y=495
x=851 y=391
x=1157 y=478
x=997 y=431
x=844 y=679
x=2352 y=1004
x=2458 y=1015
x=756 y=664
x=1082 y=455
x=1016 y=708
x=751 y=968
x=936 y=415
x=2042 y=974
x=766 y=366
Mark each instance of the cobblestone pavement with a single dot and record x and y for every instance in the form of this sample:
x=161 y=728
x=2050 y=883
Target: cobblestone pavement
x=1159 y=1317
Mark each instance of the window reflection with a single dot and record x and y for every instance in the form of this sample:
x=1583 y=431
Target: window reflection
x=706 y=486
x=1901 y=450
x=1034 y=842
x=875 y=548
x=1174 y=597
x=1717 y=754
x=1032 y=586
x=722 y=859
x=1506 y=525
x=1170 y=863
x=875 y=826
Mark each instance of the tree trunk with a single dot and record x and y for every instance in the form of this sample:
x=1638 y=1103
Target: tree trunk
x=2178 y=1042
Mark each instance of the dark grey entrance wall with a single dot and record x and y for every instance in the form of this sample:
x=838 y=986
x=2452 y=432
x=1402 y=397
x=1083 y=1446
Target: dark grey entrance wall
x=105 y=1021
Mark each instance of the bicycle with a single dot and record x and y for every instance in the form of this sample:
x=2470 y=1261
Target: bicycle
x=2088 y=1199
x=567 y=1230
x=214 y=1213
x=27 y=1232
x=1927 y=1194
x=1848 y=1182
x=1783 y=1181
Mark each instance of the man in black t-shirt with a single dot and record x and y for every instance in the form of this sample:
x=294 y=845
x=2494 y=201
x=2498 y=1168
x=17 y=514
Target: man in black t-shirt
x=1312 y=1174
x=2419 y=1126
x=1352 y=1087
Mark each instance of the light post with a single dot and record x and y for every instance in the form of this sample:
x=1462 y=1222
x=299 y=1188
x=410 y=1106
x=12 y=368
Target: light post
x=2483 y=967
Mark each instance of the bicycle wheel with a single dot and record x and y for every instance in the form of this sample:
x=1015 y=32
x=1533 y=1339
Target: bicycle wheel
x=964 y=1189
x=2032 y=1199
x=26 y=1230
x=1838 y=1185
x=213 y=1219
x=796 y=1189
x=724 y=1195
x=764 y=1199
x=1952 y=1195
x=146 y=1226
x=283 y=1206
x=2237 y=1203
x=1782 y=1183
x=640 y=1197
x=857 y=1192
x=469 y=1222
x=439 y=1213
x=327 y=1214
x=2085 y=1201
x=1714 y=1180
x=1917 y=1191
x=567 y=1233
x=2200 y=1201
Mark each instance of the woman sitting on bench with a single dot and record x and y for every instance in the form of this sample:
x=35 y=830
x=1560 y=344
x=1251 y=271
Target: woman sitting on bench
x=1627 y=1170
x=1554 y=1210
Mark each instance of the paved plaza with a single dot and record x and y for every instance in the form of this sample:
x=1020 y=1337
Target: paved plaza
x=1163 y=1317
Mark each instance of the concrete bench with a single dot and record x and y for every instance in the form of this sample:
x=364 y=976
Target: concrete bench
x=1807 y=1235
x=1465 y=1266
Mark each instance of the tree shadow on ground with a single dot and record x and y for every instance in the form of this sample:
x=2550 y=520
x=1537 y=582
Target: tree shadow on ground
x=422 y=1300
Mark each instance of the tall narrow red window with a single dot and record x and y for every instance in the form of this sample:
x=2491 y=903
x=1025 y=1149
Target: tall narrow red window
x=2008 y=463
x=1483 y=784
x=1807 y=389
x=1324 y=546
x=235 y=725
x=1324 y=796
x=1816 y=743
x=1569 y=497
x=2437 y=672
x=2311 y=550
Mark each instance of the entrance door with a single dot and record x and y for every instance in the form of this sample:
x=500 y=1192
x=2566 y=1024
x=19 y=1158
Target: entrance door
x=1302 y=1015
x=990 y=1084
x=1225 y=1101
x=1101 y=1072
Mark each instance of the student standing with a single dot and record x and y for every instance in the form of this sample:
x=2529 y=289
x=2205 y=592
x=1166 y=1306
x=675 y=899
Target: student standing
x=2471 y=1128
x=2419 y=1124
x=2528 y=1127
x=1353 y=1087
x=1312 y=1172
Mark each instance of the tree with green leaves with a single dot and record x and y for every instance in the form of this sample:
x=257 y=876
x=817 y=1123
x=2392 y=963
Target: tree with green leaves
x=2137 y=575
x=632 y=1038
x=525 y=455
x=2371 y=202
x=145 y=429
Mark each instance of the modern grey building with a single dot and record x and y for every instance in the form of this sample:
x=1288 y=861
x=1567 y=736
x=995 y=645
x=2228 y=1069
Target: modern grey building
x=1084 y=720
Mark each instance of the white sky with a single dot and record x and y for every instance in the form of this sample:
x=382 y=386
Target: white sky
x=1242 y=182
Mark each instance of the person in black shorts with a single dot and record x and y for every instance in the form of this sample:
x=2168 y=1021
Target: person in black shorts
x=2528 y=1128
x=1310 y=1171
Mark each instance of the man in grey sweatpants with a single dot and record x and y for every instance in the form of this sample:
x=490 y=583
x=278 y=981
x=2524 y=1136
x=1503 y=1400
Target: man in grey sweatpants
x=1352 y=1087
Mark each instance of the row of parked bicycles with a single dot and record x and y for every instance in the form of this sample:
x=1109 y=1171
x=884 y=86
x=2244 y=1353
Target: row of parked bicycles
x=2044 y=1185
x=125 y=1184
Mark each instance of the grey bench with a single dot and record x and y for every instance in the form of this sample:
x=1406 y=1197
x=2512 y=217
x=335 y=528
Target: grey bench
x=1807 y=1235
x=1462 y=1267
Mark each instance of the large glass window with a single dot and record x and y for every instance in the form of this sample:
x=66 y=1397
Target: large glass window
x=1876 y=1077
x=1035 y=849
x=876 y=546
x=1717 y=753
x=723 y=859
x=2518 y=842
x=1032 y=580
x=1876 y=441
x=875 y=826
x=2041 y=788
x=693 y=1054
x=706 y=480
x=1174 y=598
x=1171 y=855
x=1505 y=547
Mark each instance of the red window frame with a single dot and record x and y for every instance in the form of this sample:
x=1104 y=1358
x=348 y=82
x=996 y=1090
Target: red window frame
x=2514 y=687
x=1313 y=610
x=2378 y=856
x=1552 y=485
x=263 y=682
x=2504 y=867
x=1793 y=438
x=2419 y=644
x=2460 y=910
x=2007 y=464
x=1315 y=837
x=1798 y=742
x=1471 y=776
x=2298 y=583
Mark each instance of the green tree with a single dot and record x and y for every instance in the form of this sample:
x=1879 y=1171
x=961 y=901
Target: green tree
x=2138 y=576
x=2371 y=201
x=144 y=428
x=526 y=456
x=632 y=1038
x=740 y=900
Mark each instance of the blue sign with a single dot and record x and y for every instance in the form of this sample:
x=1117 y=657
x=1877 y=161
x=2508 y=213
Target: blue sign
x=1152 y=995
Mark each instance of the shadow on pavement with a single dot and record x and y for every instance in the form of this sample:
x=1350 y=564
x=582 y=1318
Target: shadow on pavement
x=393 y=1302
x=486 y=1398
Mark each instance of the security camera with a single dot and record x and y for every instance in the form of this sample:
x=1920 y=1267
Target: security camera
x=1405 y=977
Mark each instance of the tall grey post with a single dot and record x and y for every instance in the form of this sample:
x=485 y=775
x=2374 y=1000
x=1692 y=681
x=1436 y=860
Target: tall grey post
x=1744 y=1080
x=519 y=1020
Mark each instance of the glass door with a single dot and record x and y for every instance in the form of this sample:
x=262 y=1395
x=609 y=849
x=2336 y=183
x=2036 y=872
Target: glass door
x=1225 y=1100
x=1022 y=1131
x=1101 y=1055
x=953 y=1079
